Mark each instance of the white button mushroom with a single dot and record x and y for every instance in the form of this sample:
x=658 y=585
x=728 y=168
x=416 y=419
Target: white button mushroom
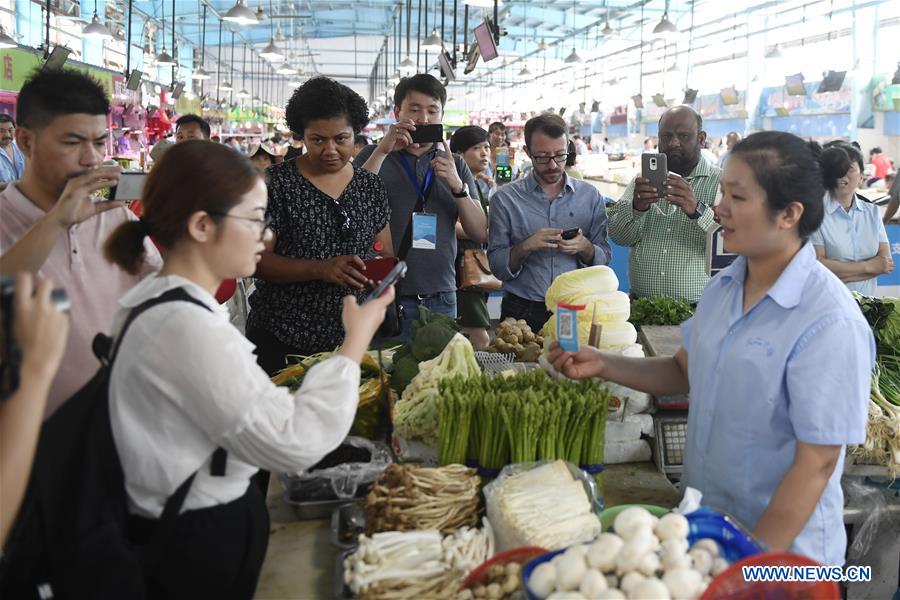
x=565 y=596
x=709 y=545
x=672 y=560
x=675 y=546
x=629 y=581
x=602 y=553
x=650 y=589
x=672 y=526
x=631 y=554
x=631 y=518
x=719 y=566
x=543 y=580
x=609 y=594
x=569 y=571
x=702 y=559
x=649 y=565
x=682 y=583
x=592 y=583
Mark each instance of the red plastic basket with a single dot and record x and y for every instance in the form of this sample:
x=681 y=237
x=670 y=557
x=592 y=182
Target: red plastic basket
x=731 y=585
x=516 y=555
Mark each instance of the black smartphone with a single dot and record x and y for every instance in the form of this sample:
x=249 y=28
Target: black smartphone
x=428 y=134
x=390 y=279
x=569 y=234
x=130 y=187
x=655 y=167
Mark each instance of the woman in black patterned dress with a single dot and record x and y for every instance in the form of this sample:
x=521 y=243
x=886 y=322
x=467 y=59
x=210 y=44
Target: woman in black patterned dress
x=326 y=217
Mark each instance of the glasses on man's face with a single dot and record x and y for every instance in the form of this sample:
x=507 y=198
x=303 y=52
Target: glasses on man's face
x=263 y=223
x=559 y=159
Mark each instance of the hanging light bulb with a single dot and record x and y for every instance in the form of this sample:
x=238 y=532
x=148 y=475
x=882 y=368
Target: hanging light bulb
x=607 y=30
x=774 y=53
x=240 y=14
x=297 y=79
x=480 y=3
x=573 y=58
x=96 y=29
x=542 y=45
x=665 y=26
x=226 y=87
x=285 y=69
x=200 y=73
x=433 y=41
x=396 y=78
x=243 y=94
x=271 y=51
x=261 y=13
x=524 y=72
x=6 y=40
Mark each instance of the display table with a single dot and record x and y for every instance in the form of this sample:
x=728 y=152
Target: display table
x=300 y=562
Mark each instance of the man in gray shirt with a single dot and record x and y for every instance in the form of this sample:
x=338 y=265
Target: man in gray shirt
x=429 y=189
x=529 y=217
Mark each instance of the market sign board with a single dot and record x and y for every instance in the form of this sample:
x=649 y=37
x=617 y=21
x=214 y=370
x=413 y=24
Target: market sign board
x=717 y=259
x=17 y=66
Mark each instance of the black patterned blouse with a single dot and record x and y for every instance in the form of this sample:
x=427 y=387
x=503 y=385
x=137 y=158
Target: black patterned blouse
x=311 y=225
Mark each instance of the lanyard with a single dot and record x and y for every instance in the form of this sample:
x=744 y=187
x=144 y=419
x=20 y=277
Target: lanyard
x=422 y=190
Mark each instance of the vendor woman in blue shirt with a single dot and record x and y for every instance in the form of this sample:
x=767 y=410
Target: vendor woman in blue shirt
x=777 y=360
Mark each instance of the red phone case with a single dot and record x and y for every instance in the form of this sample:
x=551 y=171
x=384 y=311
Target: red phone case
x=378 y=268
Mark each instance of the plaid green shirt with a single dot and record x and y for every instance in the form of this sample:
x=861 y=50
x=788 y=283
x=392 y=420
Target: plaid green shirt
x=668 y=250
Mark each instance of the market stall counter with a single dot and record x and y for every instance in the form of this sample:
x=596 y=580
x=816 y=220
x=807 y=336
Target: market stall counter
x=301 y=559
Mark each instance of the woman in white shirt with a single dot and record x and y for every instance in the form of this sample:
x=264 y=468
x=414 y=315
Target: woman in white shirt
x=185 y=382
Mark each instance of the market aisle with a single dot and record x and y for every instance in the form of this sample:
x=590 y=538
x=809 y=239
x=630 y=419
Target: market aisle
x=299 y=564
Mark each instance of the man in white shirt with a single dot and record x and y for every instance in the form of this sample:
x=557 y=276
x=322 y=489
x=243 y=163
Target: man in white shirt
x=54 y=226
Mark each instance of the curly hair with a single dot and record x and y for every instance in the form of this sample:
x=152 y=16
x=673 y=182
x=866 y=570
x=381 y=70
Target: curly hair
x=324 y=98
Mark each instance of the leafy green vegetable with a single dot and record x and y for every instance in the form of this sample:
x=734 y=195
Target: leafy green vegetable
x=883 y=315
x=430 y=340
x=660 y=310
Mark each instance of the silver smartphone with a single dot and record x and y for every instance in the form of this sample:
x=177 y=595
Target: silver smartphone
x=655 y=168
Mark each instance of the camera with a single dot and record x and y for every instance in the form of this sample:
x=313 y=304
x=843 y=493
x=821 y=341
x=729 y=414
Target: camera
x=10 y=353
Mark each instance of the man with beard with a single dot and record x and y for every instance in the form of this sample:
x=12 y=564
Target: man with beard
x=667 y=235
x=528 y=217
x=54 y=226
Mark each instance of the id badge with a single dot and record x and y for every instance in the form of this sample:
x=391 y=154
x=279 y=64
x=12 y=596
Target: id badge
x=424 y=232
x=567 y=326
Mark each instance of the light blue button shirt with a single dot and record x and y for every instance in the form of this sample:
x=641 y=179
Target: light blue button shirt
x=12 y=170
x=851 y=236
x=519 y=209
x=796 y=366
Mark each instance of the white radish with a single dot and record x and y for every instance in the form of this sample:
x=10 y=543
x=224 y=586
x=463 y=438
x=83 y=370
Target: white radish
x=683 y=583
x=650 y=589
x=672 y=526
x=592 y=583
x=543 y=580
x=602 y=553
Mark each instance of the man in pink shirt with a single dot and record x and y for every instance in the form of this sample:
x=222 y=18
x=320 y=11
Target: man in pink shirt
x=881 y=162
x=52 y=225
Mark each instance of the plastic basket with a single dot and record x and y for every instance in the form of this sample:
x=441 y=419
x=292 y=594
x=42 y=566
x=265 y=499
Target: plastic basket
x=494 y=362
x=516 y=555
x=731 y=585
x=736 y=543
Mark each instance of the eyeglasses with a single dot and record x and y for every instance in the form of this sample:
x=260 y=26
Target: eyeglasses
x=559 y=159
x=265 y=223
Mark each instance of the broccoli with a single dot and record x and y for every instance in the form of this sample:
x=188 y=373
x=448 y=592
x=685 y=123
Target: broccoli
x=405 y=370
x=431 y=340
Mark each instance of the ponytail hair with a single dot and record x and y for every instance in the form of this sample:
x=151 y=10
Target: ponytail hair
x=191 y=177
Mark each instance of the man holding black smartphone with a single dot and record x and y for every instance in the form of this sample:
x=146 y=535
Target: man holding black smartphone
x=429 y=188
x=53 y=225
x=667 y=231
x=527 y=255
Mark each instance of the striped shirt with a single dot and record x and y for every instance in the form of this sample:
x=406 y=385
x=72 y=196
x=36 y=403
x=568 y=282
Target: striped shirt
x=668 y=250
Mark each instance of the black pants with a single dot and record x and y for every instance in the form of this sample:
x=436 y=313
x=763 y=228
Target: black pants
x=214 y=552
x=270 y=351
x=534 y=313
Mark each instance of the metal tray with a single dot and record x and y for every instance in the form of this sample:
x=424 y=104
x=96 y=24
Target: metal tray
x=347 y=522
x=341 y=590
x=322 y=509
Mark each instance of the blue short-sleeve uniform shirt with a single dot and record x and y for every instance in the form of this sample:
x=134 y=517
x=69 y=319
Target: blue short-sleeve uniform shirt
x=852 y=236
x=796 y=366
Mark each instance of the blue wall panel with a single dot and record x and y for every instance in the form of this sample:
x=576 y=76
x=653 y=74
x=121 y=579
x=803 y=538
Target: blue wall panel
x=814 y=125
x=892 y=123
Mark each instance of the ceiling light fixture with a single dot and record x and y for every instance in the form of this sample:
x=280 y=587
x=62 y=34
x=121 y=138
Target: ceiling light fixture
x=240 y=14
x=433 y=41
x=480 y=3
x=573 y=58
x=774 y=53
x=524 y=72
x=271 y=51
x=407 y=66
x=95 y=28
x=164 y=59
x=665 y=26
x=896 y=79
x=285 y=69
x=6 y=40
x=200 y=73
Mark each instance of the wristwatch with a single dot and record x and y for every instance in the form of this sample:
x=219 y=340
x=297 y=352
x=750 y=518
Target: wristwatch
x=464 y=193
x=701 y=209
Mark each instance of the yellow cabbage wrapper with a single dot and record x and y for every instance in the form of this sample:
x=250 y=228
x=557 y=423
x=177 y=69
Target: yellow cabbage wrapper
x=572 y=287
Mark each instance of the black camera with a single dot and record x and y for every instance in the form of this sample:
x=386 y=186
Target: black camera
x=10 y=353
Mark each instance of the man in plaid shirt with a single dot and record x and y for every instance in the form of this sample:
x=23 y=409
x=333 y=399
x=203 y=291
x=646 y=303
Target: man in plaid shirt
x=667 y=235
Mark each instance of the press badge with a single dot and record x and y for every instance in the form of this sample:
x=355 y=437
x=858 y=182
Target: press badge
x=567 y=326
x=424 y=231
